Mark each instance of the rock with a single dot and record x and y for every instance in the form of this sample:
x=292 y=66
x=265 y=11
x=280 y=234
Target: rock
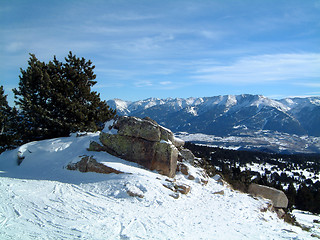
x=134 y=191
x=89 y=164
x=134 y=194
x=165 y=159
x=20 y=157
x=132 y=149
x=183 y=188
x=94 y=146
x=191 y=177
x=138 y=128
x=81 y=134
x=177 y=142
x=278 y=198
x=146 y=129
x=142 y=141
x=170 y=186
x=204 y=181
x=314 y=235
x=219 y=192
x=218 y=179
x=175 y=195
x=187 y=155
x=280 y=212
x=267 y=207
x=183 y=169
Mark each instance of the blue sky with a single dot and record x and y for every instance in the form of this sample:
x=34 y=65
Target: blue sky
x=174 y=48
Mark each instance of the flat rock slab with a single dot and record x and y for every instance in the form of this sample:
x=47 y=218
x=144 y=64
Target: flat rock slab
x=278 y=197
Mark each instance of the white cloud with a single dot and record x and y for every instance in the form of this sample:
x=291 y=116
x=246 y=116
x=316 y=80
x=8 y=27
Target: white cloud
x=309 y=84
x=143 y=83
x=128 y=16
x=263 y=68
x=165 y=83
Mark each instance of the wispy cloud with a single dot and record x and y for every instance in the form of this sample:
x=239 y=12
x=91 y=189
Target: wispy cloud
x=309 y=84
x=165 y=83
x=128 y=16
x=143 y=83
x=263 y=68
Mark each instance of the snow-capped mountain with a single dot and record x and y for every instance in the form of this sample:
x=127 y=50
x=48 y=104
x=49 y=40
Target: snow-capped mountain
x=234 y=115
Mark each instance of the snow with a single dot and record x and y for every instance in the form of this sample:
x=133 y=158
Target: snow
x=192 y=111
x=108 y=128
x=308 y=220
x=41 y=199
x=256 y=140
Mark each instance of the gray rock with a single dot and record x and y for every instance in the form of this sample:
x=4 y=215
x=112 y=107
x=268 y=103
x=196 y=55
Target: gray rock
x=89 y=164
x=146 y=129
x=138 y=128
x=278 y=198
x=187 y=155
x=144 y=142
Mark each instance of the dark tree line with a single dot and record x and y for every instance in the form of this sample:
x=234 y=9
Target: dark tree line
x=8 y=117
x=53 y=99
x=302 y=192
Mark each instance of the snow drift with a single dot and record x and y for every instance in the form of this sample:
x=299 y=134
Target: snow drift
x=41 y=199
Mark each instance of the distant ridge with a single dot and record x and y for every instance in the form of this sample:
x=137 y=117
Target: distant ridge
x=229 y=114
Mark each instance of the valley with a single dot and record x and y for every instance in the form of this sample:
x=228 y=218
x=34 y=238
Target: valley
x=251 y=122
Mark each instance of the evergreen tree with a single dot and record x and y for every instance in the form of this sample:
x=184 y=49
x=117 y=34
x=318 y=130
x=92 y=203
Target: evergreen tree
x=56 y=98
x=7 y=114
x=291 y=194
x=4 y=110
x=305 y=198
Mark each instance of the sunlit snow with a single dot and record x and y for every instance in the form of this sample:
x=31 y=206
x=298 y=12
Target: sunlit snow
x=41 y=199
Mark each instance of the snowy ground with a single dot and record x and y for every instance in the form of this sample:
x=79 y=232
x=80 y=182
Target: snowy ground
x=40 y=199
x=258 y=140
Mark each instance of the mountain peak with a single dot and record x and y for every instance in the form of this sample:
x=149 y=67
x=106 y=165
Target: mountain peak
x=222 y=115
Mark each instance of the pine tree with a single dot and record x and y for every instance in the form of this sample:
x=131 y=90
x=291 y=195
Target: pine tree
x=305 y=198
x=291 y=194
x=7 y=114
x=4 y=107
x=56 y=98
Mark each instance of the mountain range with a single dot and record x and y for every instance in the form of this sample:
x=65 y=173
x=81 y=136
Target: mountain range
x=235 y=115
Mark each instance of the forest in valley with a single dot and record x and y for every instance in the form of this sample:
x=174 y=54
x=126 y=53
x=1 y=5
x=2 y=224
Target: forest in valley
x=297 y=175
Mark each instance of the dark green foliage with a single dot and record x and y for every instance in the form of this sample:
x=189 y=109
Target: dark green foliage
x=305 y=198
x=291 y=195
x=55 y=98
x=4 y=111
x=228 y=163
x=7 y=116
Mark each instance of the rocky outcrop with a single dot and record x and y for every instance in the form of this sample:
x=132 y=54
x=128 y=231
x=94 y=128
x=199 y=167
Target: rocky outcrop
x=278 y=198
x=197 y=174
x=177 y=188
x=143 y=141
x=89 y=164
x=187 y=155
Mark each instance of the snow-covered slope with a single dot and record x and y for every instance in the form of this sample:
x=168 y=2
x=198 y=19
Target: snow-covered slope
x=41 y=199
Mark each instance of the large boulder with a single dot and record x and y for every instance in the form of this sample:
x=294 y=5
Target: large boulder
x=187 y=155
x=89 y=164
x=278 y=197
x=138 y=128
x=145 y=142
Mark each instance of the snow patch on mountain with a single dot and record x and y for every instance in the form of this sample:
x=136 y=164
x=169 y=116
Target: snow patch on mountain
x=220 y=116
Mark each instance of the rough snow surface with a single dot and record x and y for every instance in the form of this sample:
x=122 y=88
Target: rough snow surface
x=40 y=199
x=108 y=128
